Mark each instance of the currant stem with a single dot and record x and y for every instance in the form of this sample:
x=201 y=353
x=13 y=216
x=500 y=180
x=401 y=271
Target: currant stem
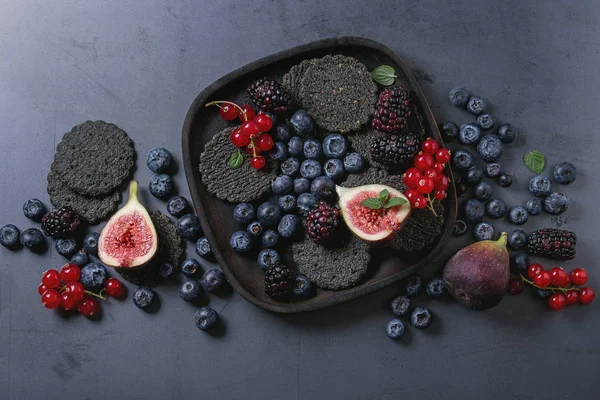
x=94 y=294
x=217 y=102
x=430 y=204
x=551 y=288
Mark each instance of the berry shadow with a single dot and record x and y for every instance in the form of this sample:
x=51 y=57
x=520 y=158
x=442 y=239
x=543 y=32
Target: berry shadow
x=219 y=329
x=224 y=291
x=154 y=306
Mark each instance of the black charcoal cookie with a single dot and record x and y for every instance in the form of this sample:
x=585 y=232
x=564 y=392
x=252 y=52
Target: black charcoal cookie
x=292 y=80
x=374 y=176
x=420 y=230
x=361 y=143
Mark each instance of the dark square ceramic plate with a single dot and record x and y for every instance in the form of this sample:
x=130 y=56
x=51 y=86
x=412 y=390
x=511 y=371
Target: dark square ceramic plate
x=216 y=216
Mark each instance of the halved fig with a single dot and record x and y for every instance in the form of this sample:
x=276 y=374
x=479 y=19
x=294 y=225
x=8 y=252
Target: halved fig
x=371 y=213
x=129 y=239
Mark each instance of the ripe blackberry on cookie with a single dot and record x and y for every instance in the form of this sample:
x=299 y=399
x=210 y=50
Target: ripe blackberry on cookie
x=269 y=96
x=393 y=110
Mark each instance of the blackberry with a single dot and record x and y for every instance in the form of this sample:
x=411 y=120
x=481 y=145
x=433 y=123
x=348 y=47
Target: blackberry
x=321 y=222
x=61 y=222
x=552 y=243
x=395 y=151
x=394 y=107
x=279 y=281
x=269 y=96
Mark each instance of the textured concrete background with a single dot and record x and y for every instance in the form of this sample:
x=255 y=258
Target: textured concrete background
x=140 y=64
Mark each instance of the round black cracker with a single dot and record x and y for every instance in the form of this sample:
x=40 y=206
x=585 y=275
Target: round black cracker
x=94 y=158
x=291 y=80
x=339 y=93
x=170 y=250
x=332 y=268
x=373 y=176
x=361 y=143
x=232 y=185
x=92 y=209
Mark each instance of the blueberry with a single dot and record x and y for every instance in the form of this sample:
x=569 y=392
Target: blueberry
x=177 y=206
x=476 y=105
x=203 y=247
x=517 y=239
x=269 y=239
x=161 y=186
x=520 y=263
x=565 y=173
x=449 y=130
x=310 y=169
x=282 y=184
x=474 y=210
x=401 y=306
x=34 y=209
x=492 y=170
x=556 y=203
x=462 y=159
x=143 y=297
x=255 y=229
x=90 y=243
x=302 y=286
x=540 y=186
x=436 y=288
x=506 y=133
x=288 y=226
x=482 y=191
x=278 y=152
x=158 y=160
x=534 y=206
x=395 y=329
x=282 y=133
x=166 y=270
x=335 y=146
x=301 y=185
x=9 y=235
x=269 y=214
x=459 y=97
x=241 y=241
x=334 y=169
x=414 y=285
x=306 y=201
x=323 y=188
x=496 y=208
x=188 y=227
x=66 y=247
x=206 y=318
x=490 y=148
x=518 y=215
x=244 y=213
x=460 y=228
x=474 y=175
x=354 y=163
x=461 y=188
x=267 y=258
x=189 y=267
x=212 y=279
x=485 y=122
x=469 y=133
x=287 y=203
x=484 y=231
x=302 y=123
x=290 y=167
x=33 y=239
x=296 y=146
x=543 y=293
x=80 y=258
x=421 y=317
x=190 y=289
x=93 y=276
x=505 y=179
x=313 y=149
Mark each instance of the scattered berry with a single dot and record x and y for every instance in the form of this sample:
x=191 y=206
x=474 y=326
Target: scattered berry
x=269 y=239
x=70 y=273
x=484 y=231
x=282 y=184
x=203 y=247
x=520 y=263
x=302 y=286
x=474 y=210
x=34 y=209
x=482 y=191
x=189 y=267
x=492 y=170
x=190 y=289
x=88 y=307
x=449 y=130
x=143 y=297
x=496 y=208
x=517 y=240
x=476 y=105
x=312 y=149
x=291 y=167
x=586 y=295
x=534 y=206
x=9 y=236
x=557 y=301
x=469 y=133
x=114 y=288
x=515 y=286
x=32 y=238
x=282 y=133
x=296 y=146
x=395 y=329
x=206 y=318
x=301 y=185
x=414 y=286
x=93 y=276
x=241 y=242
x=435 y=287
x=323 y=188
x=334 y=168
x=158 y=160
x=534 y=270
x=90 y=243
x=354 y=163
x=288 y=226
x=556 y=203
x=460 y=228
x=518 y=215
x=505 y=179
x=490 y=148
x=507 y=133
x=401 y=306
x=188 y=227
x=462 y=159
x=161 y=186
x=166 y=270
x=306 y=201
x=335 y=146
x=212 y=279
x=244 y=213
x=80 y=258
x=66 y=247
x=302 y=123
x=474 y=175
x=565 y=173
x=421 y=317
x=278 y=152
x=485 y=122
x=540 y=186
x=267 y=258
x=51 y=299
x=579 y=276
x=459 y=97
x=321 y=222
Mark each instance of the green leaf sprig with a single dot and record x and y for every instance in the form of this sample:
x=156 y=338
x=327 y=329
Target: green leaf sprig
x=384 y=75
x=382 y=201
x=534 y=160
x=236 y=160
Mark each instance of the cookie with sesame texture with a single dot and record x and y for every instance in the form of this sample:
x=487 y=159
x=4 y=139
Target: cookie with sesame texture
x=374 y=176
x=420 y=231
x=292 y=79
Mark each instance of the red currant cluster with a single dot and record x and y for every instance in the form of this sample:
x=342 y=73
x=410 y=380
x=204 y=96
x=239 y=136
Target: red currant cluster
x=566 y=289
x=426 y=180
x=64 y=289
x=251 y=135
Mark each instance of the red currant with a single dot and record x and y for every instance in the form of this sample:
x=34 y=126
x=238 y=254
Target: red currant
x=425 y=185
x=442 y=155
x=440 y=194
x=572 y=297
x=534 y=270
x=442 y=182
x=51 y=278
x=431 y=173
x=75 y=290
x=411 y=177
x=560 y=277
x=70 y=273
x=42 y=288
x=265 y=142
x=67 y=302
x=250 y=148
x=114 y=287
x=430 y=146
x=50 y=298
x=250 y=129
x=89 y=307
x=250 y=113
x=412 y=194
x=557 y=301
x=238 y=139
x=543 y=279
x=515 y=286
x=579 y=276
x=420 y=202
x=423 y=161
x=258 y=162
x=586 y=296
x=228 y=112
x=264 y=122
x=438 y=167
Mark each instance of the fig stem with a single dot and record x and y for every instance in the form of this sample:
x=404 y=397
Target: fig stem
x=133 y=191
x=502 y=239
x=551 y=288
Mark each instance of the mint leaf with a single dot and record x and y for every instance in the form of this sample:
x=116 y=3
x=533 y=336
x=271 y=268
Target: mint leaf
x=384 y=75
x=534 y=160
x=236 y=160
x=383 y=195
x=372 y=203
x=394 y=201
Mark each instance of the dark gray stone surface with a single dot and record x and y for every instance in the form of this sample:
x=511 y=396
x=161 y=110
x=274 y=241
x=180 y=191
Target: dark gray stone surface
x=140 y=64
